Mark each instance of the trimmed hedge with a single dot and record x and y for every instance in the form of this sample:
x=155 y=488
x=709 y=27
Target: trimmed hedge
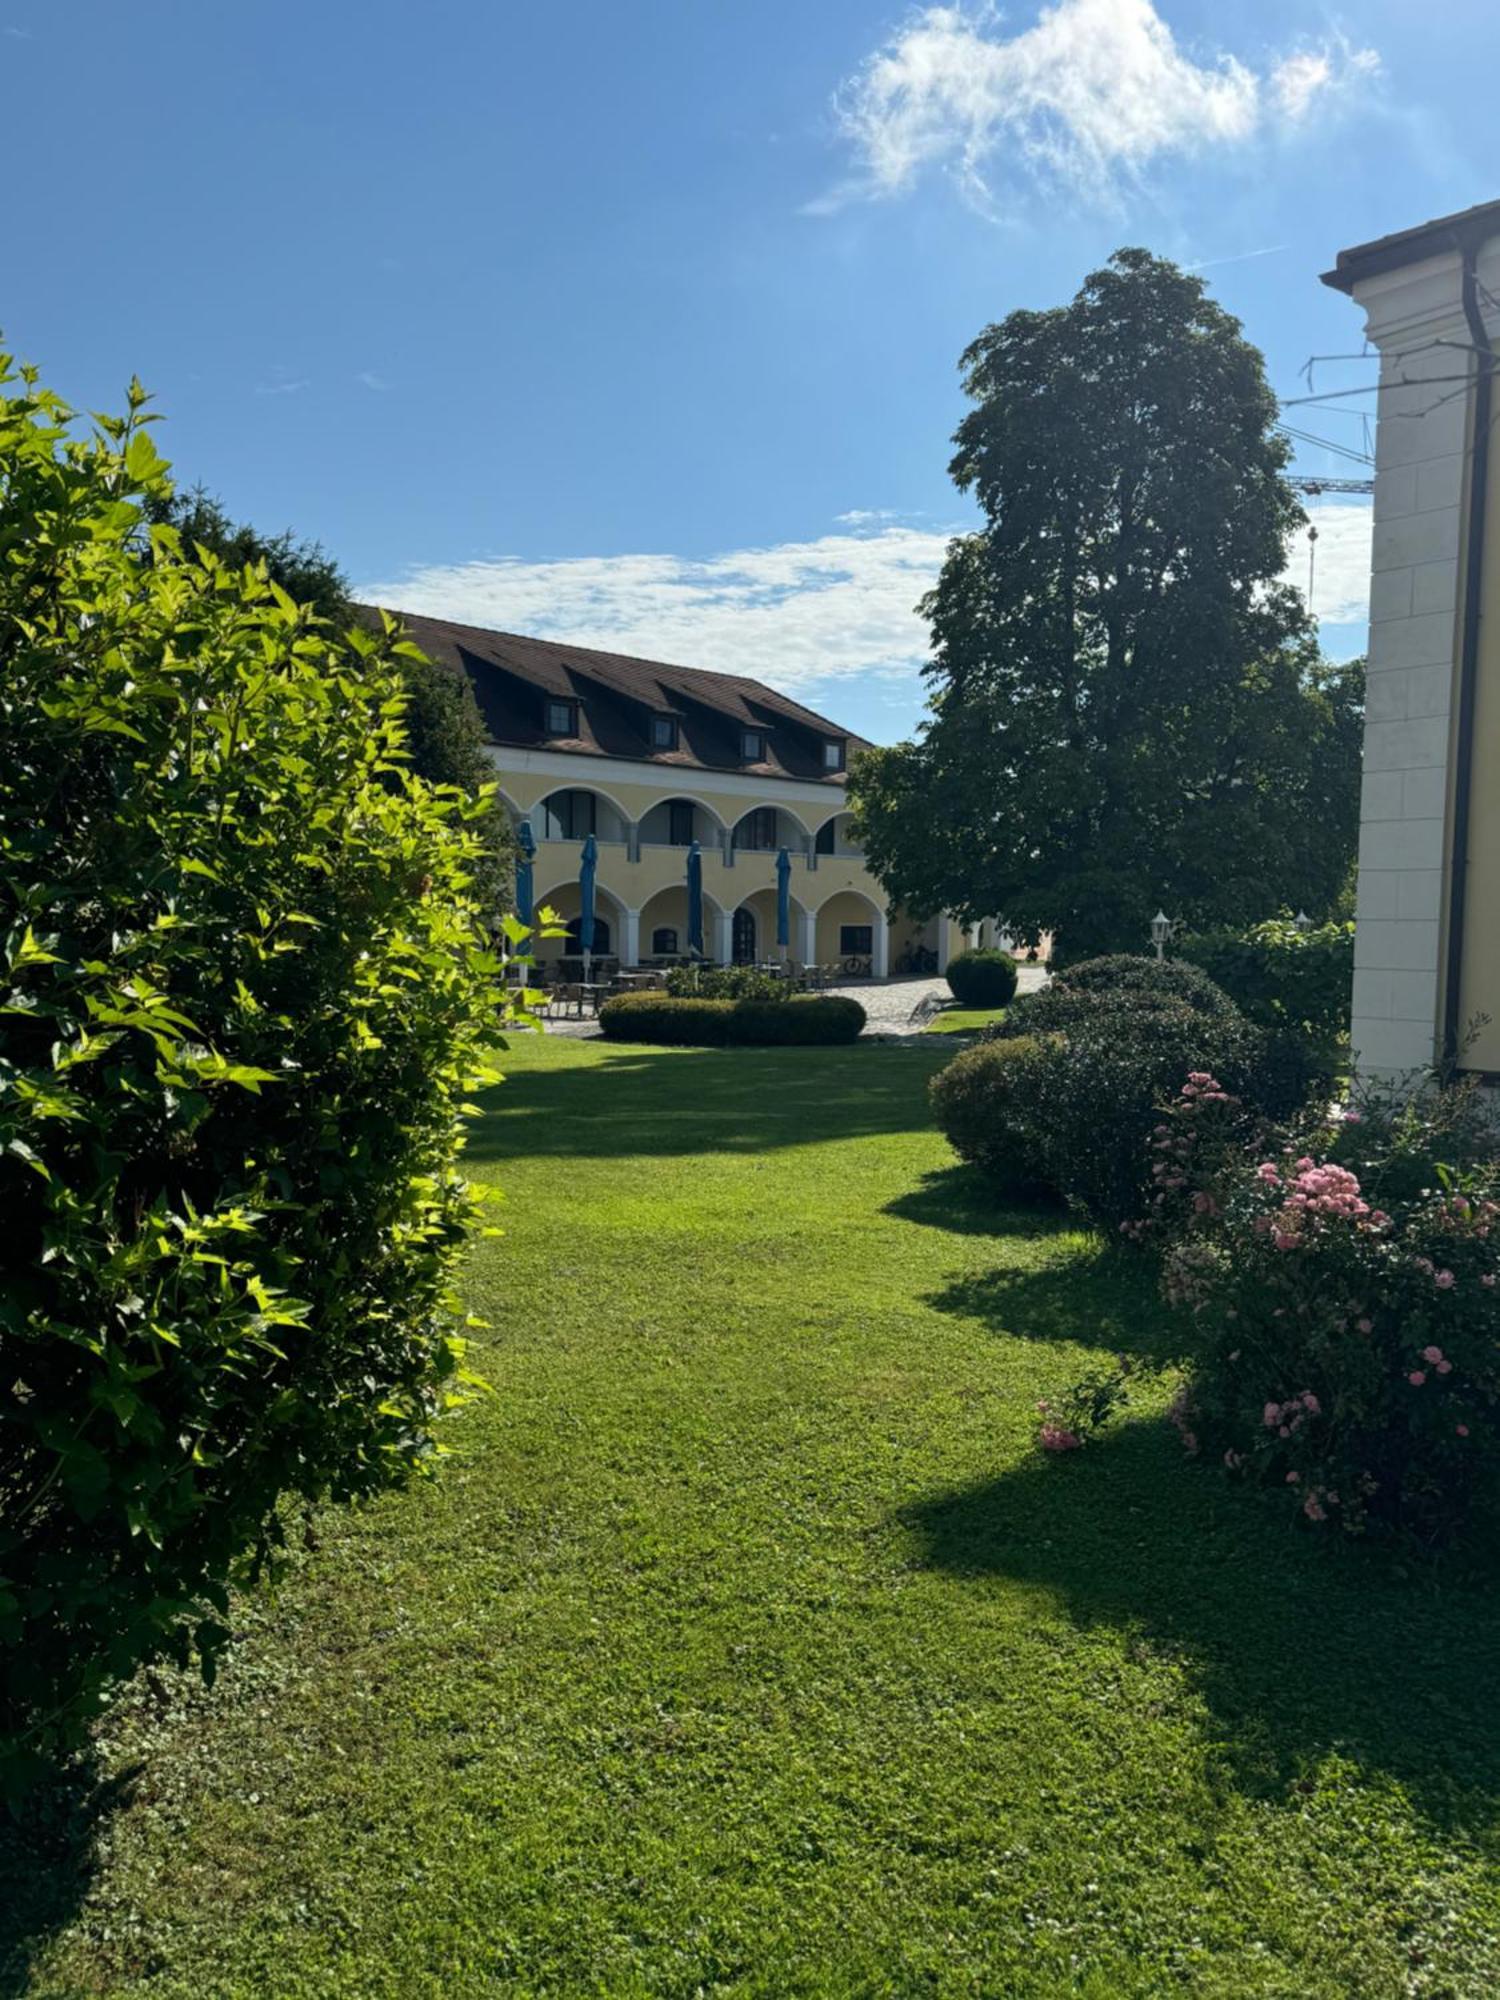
x=1076 y=1102
x=1134 y=972
x=666 y=1019
x=726 y=982
x=982 y=978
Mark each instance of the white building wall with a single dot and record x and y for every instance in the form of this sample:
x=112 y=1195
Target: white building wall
x=1421 y=477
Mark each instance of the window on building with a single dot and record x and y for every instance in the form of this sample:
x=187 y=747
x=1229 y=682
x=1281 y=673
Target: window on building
x=752 y=745
x=663 y=732
x=664 y=942
x=757 y=830
x=742 y=937
x=680 y=823
x=569 y=816
x=824 y=844
x=562 y=718
x=856 y=940
x=833 y=754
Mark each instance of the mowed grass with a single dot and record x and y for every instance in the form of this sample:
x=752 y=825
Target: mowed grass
x=748 y=1647
x=964 y=1020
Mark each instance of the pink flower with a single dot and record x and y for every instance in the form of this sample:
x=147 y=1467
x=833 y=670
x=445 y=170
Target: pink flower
x=1283 y=1239
x=1433 y=1354
x=1292 y=1478
x=1444 y=1280
x=1417 y=1377
x=1462 y=1429
x=1365 y=1325
x=1311 y=1403
x=1488 y=1278
x=1445 y=1368
x=1233 y=1460
x=1052 y=1437
x=1267 y=1171
x=1270 y=1416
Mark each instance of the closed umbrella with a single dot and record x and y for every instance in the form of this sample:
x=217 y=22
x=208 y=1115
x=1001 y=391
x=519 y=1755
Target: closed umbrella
x=783 y=900
x=695 y=899
x=525 y=874
x=586 y=876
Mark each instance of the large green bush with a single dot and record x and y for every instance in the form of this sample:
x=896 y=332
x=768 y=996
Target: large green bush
x=1134 y=973
x=982 y=978
x=1292 y=980
x=1077 y=1106
x=244 y=985
x=666 y=1019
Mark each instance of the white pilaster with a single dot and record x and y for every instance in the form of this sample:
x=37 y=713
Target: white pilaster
x=880 y=956
x=630 y=942
x=807 y=949
x=1422 y=449
x=724 y=937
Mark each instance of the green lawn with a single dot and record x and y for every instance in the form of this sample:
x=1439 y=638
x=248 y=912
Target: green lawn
x=964 y=1020
x=749 y=1648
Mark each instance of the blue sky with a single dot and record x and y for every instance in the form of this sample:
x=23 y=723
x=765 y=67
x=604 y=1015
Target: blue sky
x=636 y=321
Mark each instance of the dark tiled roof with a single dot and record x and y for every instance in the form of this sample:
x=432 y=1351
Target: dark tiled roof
x=617 y=695
x=1410 y=246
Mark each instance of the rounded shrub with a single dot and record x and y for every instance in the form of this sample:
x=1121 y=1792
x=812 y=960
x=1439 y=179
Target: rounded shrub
x=1099 y=1065
x=672 y=1021
x=1131 y=972
x=245 y=987
x=982 y=978
x=985 y=1103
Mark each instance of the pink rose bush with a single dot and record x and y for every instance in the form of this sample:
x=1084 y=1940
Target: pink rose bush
x=1343 y=1287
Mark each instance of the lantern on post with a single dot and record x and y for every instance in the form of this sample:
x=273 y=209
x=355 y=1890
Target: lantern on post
x=1303 y=921
x=1161 y=930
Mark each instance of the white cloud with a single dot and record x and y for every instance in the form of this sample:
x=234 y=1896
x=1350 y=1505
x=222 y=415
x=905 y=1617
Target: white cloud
x=1090 y=95
x=371 y=380
x=798 y=615
x=281 y=388
x=795 y=615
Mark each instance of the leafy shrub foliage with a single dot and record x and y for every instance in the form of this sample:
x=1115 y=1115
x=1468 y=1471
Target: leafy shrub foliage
x=1133 y=973
x=1350 y=1310
x=982 y=978
x=1072 y=1109
x=243 y=986
x=726 y=982
x=1290 y=980
x=985 y=1102
x=665 y=1018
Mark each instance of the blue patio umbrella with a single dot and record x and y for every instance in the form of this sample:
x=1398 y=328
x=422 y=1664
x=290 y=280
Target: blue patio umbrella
x=586 y=876
x=525 y=875
x=783 y=899
x=695 y=898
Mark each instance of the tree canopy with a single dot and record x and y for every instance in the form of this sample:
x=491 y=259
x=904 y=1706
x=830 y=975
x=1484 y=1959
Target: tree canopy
x=1128 y=707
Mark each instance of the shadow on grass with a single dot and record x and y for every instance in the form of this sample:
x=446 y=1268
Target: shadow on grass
x=961 y=1199
x=48 y=1859
x=634 y=1101
x=1299 y=1646
x=1098 y=1296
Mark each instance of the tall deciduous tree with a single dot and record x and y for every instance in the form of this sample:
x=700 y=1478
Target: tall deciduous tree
x=444 y=734
x=1128 y=708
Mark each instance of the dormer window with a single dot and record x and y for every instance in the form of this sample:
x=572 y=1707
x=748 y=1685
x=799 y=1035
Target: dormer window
x=833 y=753
x=664 y=732
x=752 y=746
x=562 y=718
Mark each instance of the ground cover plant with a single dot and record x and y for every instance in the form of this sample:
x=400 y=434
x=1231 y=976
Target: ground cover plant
x=750 y=1646
x=243 y=983
x=957 y=1020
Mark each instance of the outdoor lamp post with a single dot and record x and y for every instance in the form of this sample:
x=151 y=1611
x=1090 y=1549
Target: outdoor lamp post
x=1161 y=930
x=1303 y=921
